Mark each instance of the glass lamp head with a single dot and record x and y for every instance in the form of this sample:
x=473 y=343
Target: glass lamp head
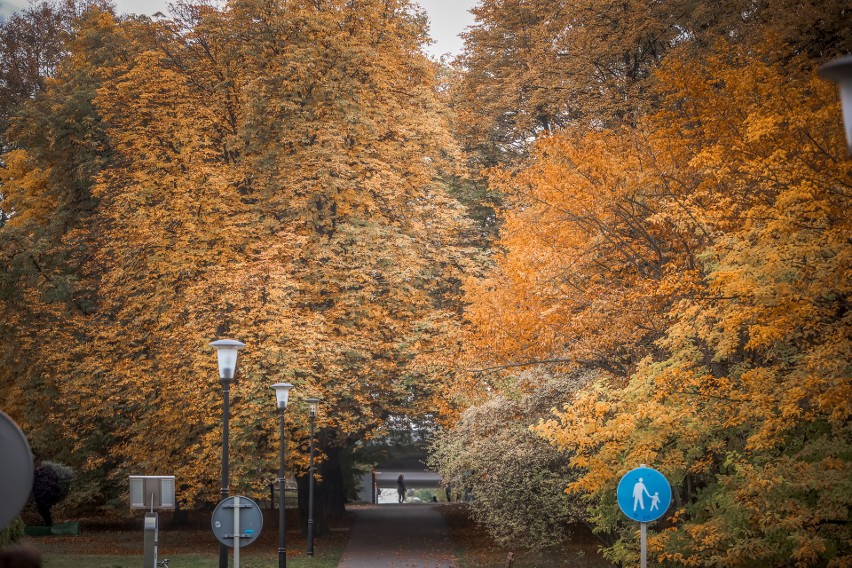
x=840 y=71
x=282 y=393
x=227 y=350
x=313 y=402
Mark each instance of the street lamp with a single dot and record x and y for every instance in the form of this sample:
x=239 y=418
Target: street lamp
x=227 y=350
x=282 y=393
x=313 y=402
x=840 y=71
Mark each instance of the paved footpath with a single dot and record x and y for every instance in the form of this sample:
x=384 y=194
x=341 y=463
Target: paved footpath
x=398 y=536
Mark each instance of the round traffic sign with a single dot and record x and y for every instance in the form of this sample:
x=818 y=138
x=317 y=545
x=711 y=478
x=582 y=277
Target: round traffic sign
x=250 y=520
x=16 y=470
x=644 y=494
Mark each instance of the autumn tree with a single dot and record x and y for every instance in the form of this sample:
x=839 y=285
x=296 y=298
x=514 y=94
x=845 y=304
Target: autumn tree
x=733 y=392
x=31 y=44
x=56 y=145
x=694 y=255
x=266 y=172
x=534 y=66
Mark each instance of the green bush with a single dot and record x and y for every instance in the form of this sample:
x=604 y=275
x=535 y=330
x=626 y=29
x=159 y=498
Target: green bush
x=12 y=533
x=513 y=480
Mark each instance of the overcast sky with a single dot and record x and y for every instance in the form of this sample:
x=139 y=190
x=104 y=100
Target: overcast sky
x=9 y=6
x=448 y=18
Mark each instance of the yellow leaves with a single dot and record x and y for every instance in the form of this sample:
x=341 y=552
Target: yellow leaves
x=759 y=128
x=702 y=257
x=588 y=248
x=282 y=203
x=26 y=193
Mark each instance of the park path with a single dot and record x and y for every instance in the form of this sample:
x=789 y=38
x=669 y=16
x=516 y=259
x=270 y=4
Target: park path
x=398 y=536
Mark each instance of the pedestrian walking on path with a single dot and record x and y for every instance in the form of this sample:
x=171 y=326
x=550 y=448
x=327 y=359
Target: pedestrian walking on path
x=400 y=487
x=407 y=536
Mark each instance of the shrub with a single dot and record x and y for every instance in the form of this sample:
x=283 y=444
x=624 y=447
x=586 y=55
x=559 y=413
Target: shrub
x=12 y=533
x=51 y=484
x=513 y=479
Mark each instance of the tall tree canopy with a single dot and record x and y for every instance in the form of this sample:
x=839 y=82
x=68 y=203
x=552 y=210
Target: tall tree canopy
x=532 y=66
x=687 y=237
x=745 y=405
x=266 y=171
x=671 y=270
x=56 y=146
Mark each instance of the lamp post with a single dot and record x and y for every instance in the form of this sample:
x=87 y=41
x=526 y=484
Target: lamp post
x=282 y=393
x=840 y=71
x=227 y=350
x=313 y=402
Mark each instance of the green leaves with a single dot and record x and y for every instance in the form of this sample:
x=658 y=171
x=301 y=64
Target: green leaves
x=515 y=477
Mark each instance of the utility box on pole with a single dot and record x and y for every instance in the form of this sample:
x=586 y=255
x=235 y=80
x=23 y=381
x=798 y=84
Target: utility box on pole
x=152 y=493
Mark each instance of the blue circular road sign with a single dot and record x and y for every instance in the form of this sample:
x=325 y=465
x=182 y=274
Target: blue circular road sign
x=644 y=494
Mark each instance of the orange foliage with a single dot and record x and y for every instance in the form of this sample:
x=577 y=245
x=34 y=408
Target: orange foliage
x=271 y=175
x=747 y=412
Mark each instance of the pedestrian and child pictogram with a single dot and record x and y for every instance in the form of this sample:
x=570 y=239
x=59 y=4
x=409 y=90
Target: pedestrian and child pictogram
x=644 y=494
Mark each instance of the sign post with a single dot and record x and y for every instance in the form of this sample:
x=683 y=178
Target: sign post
x=152 y=493
x=16 y=470
x=644 y=495
x=149 y=557
x=237 y=522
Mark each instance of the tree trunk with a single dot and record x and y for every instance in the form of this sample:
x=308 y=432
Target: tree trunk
x=44 y=511
x=334 y=488
x=329 y=494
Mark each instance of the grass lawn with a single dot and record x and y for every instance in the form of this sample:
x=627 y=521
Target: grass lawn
x=120 y=545
x=326 y=559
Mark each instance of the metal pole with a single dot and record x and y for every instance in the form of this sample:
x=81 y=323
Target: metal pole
x=643 y=543
x=223 y=494
x=282 y=548
x=150 y=551
x=237 y=531
x=310 y=550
